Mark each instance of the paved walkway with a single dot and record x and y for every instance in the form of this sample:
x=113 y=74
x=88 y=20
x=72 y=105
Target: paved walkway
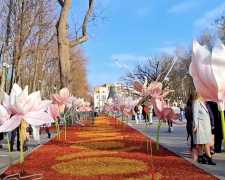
x=176 y=142
x=4 y=154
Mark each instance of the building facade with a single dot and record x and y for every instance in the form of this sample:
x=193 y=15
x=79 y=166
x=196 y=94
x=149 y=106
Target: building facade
x=101 y=94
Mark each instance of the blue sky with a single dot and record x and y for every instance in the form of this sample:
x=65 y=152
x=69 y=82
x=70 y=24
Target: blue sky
x=137 y=29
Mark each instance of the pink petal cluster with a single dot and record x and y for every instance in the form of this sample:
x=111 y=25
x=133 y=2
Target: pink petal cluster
x=61 y=98
x=54 y=110
x=4 y=114
x=207 y=71
x=23 y=106
x=123 y=105
x=165 y=112
x=144 y=90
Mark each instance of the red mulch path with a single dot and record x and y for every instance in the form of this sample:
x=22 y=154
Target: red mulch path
x=166 y=163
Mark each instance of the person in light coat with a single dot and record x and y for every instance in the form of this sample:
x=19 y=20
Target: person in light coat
x=202 y=129
x=150 y=113
x=140 y=109
x=36 y=134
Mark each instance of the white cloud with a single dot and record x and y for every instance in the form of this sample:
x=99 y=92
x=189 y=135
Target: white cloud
x=128 y=57
x=179 y=8
x=168 y=49
x=209 y=16
x=142 y=11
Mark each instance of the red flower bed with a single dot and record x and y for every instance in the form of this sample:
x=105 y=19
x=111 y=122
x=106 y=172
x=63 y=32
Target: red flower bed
x=106 y=151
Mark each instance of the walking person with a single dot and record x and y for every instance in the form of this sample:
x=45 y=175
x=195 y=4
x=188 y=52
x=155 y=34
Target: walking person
x=140 y=109
x=189 y=117
x=36 y=134
x=150 y=113
x=1 y=138
x=47 y=129
x=15 y=133
x=217 y=131
x=202 y=129
x=136 y=114
x=26 y=134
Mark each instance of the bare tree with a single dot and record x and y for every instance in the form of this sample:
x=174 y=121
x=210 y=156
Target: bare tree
x=63 y=41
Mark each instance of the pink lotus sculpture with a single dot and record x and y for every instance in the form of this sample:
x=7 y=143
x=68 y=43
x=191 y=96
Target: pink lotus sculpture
x=54 y=110
x=27 y=107
x=61 y=98
x=207 y=71
x=165 y=112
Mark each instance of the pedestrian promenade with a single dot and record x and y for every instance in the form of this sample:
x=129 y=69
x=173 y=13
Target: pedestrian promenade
x=176 y=142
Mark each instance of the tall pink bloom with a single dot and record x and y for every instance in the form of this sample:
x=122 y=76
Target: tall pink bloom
x=165 y=112
x=207 y=71
x=147 y=90
x=27 y=107
x=54 y=110
x=61 y=98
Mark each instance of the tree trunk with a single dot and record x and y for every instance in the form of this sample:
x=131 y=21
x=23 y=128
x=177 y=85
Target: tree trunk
x=63 y=45
x=5 y=51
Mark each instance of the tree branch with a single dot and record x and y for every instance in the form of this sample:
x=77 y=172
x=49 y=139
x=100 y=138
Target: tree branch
x=84 y=36
x=61 y=2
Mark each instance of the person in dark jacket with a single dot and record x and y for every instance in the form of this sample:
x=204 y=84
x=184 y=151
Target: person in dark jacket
x=189 y=117
x=217 y=131
x=212 y=124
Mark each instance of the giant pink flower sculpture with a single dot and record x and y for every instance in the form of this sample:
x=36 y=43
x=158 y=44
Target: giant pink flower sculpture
x=208 y=74
x=165 y=112
x=61 y=98
x=207 y=71
x=145 y=90
x=54 y=110
x=27 y=107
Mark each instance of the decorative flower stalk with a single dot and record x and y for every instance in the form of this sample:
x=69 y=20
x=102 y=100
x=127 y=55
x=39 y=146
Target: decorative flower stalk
x=54 y=111
x=61 y=100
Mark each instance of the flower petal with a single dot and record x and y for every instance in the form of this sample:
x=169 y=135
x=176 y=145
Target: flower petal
x=64 y=94
x=38 y=118
x=56 y=99
x=32 y=102
x=11 y=124
x=218 y=62
x=5 y=100
x=24 y=95
x=4 y=114
x=42 y=106
x=138 y=86
x=201 y=70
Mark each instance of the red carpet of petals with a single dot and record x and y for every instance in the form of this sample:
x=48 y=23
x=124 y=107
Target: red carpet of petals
x=106 y=151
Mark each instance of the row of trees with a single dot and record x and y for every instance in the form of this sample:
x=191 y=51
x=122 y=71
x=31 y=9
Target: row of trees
x=156 y=67
x=38 y=49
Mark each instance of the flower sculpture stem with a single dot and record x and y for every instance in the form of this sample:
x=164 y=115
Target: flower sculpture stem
x=21 y=149
x=10 y=154
x=57 y=128
x=223 y=126
x=146 y=131
x=65 y=129
x=157 y=138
